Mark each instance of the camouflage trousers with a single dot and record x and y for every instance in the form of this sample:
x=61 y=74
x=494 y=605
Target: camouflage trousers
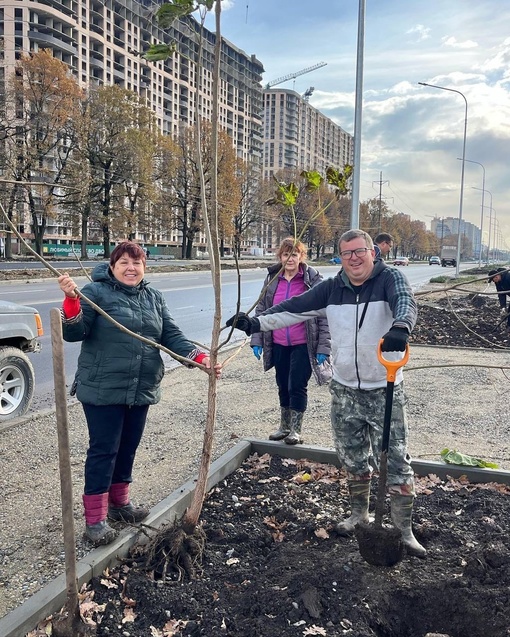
x=357 y=418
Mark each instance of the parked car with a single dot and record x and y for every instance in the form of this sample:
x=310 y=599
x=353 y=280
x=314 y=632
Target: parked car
x=401 y=261
x=20 y=329
x=336 y=260
x=434 y=261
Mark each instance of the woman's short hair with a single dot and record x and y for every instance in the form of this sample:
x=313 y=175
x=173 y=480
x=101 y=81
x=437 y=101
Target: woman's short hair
x=128 y=247
x=289 y=244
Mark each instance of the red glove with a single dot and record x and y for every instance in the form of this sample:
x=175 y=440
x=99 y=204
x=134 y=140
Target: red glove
x=71 y=307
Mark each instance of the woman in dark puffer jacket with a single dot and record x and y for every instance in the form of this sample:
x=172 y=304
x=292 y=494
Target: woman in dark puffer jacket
x=297 y=351
x=118 y=378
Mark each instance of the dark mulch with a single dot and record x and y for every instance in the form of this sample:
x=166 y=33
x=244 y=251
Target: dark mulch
x=466 y=320
x=273 y=565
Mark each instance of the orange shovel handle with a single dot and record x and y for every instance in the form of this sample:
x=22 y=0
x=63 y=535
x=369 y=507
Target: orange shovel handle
x=392 y=367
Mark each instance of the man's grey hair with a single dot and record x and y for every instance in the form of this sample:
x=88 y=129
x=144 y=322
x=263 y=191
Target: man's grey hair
x=354 y=234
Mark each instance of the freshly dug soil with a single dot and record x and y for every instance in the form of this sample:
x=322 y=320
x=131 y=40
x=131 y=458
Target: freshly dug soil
x=462 y=320
x=273 y=565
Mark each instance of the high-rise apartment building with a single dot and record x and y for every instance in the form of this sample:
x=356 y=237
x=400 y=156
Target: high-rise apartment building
x=101 y=41
x=297 y=135
x=444 y=227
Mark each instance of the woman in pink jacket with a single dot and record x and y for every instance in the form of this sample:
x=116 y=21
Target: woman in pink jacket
x=297 y=351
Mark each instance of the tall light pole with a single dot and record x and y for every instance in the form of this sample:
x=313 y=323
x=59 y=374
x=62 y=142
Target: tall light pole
x=481 y=214
x=490 y=221
x=453 y=90
x=356 y=173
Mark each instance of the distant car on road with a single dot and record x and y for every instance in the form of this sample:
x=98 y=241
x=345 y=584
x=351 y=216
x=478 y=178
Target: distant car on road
x=401 y=261
x=434 y=261
x=336 y=260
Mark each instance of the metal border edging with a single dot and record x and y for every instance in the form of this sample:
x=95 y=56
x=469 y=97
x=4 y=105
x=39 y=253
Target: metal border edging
x=51 y=597
x=421 y=467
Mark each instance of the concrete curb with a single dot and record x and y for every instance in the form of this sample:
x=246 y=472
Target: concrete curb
x=52 y=597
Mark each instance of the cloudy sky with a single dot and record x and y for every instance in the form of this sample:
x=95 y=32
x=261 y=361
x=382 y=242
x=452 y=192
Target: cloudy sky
x=410 y=133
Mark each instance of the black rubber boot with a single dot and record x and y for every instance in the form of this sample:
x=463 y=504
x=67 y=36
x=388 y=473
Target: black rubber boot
x=401 y=515
x=127 y=513
x=296 y=422
x=359 y=493
x=100 y=533
x=284 y=429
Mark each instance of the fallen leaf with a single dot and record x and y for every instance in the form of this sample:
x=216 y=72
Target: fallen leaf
x=314 y=630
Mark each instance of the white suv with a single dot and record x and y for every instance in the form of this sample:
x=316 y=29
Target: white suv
x=20 y=328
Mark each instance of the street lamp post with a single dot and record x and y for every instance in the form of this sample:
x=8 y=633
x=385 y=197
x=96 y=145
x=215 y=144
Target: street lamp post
x=358 y=108
x=481 y=214
x=490 y=220
x=453 y=90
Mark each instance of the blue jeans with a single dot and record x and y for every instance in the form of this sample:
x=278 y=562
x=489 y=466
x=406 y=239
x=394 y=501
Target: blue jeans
x=293 y=371
x=115 y=432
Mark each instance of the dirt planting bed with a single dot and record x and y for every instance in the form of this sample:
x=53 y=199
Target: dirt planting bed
x=273 y=565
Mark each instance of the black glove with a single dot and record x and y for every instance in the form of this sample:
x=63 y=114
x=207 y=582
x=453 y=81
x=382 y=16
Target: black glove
x=395 y=340
x=244 y=323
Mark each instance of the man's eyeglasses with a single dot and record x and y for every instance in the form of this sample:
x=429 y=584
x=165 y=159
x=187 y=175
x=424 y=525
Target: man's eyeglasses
x=359 y=252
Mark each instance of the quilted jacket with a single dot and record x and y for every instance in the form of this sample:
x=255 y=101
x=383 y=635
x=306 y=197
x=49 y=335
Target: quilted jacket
x=113 y=367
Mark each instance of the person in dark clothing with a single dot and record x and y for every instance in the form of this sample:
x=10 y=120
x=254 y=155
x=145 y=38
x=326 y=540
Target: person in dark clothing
x=383 y=245
x=118 y=378
x=501 y=278
x=295 y=351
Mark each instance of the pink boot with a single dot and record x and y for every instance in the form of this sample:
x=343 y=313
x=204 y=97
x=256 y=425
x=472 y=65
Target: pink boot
x=97 y=529
x=121 y=509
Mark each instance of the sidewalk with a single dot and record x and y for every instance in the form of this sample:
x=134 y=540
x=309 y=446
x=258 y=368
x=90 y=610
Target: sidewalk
x=463 y=408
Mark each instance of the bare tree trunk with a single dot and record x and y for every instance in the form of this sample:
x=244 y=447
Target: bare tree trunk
x=84 y=231
x=192 y=515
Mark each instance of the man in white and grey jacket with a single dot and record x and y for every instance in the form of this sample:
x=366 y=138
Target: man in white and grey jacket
x=366 y=301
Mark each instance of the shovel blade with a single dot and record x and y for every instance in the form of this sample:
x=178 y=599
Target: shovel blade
x=378 y=545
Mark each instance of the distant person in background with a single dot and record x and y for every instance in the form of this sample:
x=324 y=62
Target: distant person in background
x=118 y=378
x=148 y=253
x=501 y=278
x=383 y=245
x=295 y=351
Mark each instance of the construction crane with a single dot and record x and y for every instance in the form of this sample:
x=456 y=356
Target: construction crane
x=292 y=76
x=308 y=93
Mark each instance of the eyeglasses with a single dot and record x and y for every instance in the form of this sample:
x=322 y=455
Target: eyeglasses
x=359 y=252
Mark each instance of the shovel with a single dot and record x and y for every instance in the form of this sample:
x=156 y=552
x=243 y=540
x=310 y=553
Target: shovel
x=379 y=545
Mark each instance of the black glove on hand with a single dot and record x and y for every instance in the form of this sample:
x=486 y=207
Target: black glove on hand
x=244 y=323
x=395 y=340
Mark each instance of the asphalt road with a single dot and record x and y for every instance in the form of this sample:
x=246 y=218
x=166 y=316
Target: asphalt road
x=189 y=296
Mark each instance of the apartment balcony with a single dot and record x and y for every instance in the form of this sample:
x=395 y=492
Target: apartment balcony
x=47 y=40
x=96 y=60
x=118 y=71
x=97 y=28
x=64 y=6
